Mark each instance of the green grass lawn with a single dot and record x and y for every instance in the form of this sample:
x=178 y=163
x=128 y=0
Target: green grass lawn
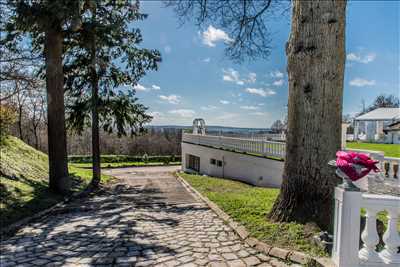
x=122 y=164
x=24 y=181
x=391 y=150
x=249 y=205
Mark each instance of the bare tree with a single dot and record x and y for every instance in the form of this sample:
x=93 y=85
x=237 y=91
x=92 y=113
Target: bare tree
x=244 y=21
x=37 y=110
x=20 y=100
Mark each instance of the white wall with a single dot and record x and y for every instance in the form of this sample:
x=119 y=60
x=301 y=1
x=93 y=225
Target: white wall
x=254 y=170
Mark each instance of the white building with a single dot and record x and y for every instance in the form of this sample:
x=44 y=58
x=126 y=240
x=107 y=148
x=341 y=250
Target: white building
x=373 y=124
x=253 y=161
x=392 y=133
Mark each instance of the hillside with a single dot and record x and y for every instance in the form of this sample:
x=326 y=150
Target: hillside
x=24 y=180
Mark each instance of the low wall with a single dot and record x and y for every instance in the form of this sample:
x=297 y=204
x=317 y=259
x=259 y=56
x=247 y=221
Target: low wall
x=254 y=170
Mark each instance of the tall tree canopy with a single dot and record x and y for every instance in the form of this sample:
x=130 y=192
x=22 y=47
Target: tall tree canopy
x=316 y=58
x=103 y=61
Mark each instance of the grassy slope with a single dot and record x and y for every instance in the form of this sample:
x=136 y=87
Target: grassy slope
x=249 y=205
x=391 y=150
x=24 y=181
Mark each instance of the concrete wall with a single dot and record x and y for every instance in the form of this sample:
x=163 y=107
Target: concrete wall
x=250 y=169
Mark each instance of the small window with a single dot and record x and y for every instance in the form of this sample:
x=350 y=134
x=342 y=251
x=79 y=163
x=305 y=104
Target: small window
x=213 y=161
x=219 y=163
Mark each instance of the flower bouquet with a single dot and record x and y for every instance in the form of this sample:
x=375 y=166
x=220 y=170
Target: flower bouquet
x=352 y=166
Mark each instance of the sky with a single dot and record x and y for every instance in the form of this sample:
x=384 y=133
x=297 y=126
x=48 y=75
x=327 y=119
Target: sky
x=196 y=80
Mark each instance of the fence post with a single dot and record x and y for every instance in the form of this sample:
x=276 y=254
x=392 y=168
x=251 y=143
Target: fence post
x=346 y=233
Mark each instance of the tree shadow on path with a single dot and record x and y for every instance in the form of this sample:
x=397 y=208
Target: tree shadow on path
x=119 y=226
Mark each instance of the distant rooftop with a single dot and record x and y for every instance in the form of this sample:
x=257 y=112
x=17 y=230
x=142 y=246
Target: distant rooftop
x=380 y=114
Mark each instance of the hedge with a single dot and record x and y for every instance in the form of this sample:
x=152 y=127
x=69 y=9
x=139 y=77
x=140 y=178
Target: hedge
x=123 y=158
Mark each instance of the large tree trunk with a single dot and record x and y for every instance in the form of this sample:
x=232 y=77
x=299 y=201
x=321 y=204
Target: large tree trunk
x=316 y=60
x=95 y=134
x=95 y=116
x=57 y=146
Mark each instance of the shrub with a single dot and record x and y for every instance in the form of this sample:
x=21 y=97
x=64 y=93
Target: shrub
x=166 y=160
x=145 y=158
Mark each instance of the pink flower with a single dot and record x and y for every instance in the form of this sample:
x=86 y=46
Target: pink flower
x=355 y=165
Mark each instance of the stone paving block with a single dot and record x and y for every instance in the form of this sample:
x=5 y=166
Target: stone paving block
x=277 y=263
x=251 y=261
x=263 y=257
x=229 y=256
x=172 y=263
x=236 y=263
x=217 y=264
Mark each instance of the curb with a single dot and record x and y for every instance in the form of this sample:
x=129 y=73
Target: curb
x=280 y=253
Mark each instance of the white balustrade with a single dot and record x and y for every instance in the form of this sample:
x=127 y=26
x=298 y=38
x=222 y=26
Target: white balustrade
x=261 y=147
x=370 y=237
x=346 y=251
x=392 y=241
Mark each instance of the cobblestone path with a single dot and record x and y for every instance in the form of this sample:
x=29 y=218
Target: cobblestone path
x=147 y=219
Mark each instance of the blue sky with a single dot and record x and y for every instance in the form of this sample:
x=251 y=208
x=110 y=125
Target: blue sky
x=196 y=80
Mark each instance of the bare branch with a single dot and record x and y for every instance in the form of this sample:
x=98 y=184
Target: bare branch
x=245 y=21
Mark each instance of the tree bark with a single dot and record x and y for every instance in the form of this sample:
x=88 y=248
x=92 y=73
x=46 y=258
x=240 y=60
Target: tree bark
x=316 y=60
x=95 y=116
x=57 y=146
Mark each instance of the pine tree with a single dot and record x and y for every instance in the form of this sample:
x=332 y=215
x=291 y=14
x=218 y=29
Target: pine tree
x=102 y=64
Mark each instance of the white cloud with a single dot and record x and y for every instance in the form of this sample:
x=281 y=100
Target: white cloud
x=167 y=49
x=172 y=99
x=206 y=60
x=358 y=57
x=213 y=35
x=185 y=113
x=209 y=107
x=232 y=75
x=258 y=113
x=261 y=104
x=278 y=82
x=277 y=74
x=260 y=91
x=252 y=77
x=360 y=82
x=249 y=107
x=224 y=102
x=227 y=116
x=155 y=87
x=139 y=87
